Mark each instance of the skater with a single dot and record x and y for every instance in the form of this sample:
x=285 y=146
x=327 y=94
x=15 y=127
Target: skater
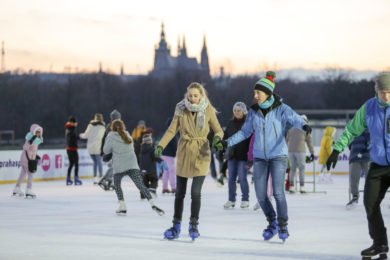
x=169 y=157
x=267 y=119
x=374 y=115
x=194 y=115
x=296 y=140
x=325 y=150
x=94 y=134
x=120 y=144
x=71 y=149
x=359 y=158
x=137 y=137
x=237 y=158
x=147 y=163
x=107 y=182
x=29 y=153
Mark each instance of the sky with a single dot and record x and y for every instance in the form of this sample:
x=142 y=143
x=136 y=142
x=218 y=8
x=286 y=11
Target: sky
x=243 y=37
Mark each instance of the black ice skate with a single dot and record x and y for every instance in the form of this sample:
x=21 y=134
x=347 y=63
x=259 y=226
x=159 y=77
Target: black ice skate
x=375 y=250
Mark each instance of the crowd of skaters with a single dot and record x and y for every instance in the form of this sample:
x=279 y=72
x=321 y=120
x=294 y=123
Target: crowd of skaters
x=269 y=130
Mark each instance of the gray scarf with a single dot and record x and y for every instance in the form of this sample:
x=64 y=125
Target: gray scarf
x=199 y=108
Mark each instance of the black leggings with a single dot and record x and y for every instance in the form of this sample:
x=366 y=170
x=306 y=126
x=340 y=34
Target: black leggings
x=73 y=160
x=181 y=188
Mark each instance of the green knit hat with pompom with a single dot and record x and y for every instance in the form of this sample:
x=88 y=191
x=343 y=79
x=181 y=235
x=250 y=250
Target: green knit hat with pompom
x=267 y=84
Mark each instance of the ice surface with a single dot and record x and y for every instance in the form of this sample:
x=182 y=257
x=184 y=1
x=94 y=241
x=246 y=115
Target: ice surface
x=79 y=222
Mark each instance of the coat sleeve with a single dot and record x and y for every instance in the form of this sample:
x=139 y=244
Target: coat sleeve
x=170 y=133
x=245 y=132
x=354 y=128
x=250 y=150
x=215 y=125
x=289 y=115
x=86 y=132
x=309 y=143
x=107 y=148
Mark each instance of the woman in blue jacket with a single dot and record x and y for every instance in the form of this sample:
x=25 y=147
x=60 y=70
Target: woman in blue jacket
x=267 y=119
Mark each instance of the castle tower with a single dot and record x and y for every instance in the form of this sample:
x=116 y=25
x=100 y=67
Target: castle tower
x=204 y=57
x=183 y=51
x=162 y=53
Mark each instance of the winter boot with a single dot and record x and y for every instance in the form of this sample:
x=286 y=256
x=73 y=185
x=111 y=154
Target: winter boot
x=17 y=192
x=155 y=208
x=121 y=211
x=174 y=231
x=229 y=204
x=69 y=181
x=283 y=232
x=77 y=181
x=193 y=231
x=30 y=194
x=353 y=203
x=375 y=250
x=271 y=229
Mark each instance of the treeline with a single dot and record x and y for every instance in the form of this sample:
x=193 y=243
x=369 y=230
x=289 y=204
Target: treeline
x=27 y=99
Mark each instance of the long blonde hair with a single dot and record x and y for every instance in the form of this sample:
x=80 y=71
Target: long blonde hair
x=119 y=127
x=202 y=91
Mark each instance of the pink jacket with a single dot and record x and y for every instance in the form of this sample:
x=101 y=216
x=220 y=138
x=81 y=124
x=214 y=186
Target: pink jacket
x=31 y=149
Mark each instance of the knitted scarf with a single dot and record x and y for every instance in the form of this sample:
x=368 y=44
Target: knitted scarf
x=199 y=108
x=266 y=104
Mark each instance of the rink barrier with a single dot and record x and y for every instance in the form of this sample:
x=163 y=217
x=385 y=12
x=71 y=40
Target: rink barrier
x=45 y=179
x=52 y=166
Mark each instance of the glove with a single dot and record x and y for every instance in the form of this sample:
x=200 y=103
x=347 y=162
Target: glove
x=311 y=157
x=248 y=165
x=218 y=143
x=158 y=151
x=307 y=129
x=332 y=160
x=37 y=157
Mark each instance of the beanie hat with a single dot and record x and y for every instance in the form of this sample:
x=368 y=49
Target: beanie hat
x=141 y=122
x=382 y=82
x=72 y=119
x=241 y=106
x=115 y=115
x=267 y=84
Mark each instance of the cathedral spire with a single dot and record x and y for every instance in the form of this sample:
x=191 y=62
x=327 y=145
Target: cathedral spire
x=184 y=47
x=204 y=57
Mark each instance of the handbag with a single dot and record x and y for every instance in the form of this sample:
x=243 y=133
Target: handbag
x=32 y=164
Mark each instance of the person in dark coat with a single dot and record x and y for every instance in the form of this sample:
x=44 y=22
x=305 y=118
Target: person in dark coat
x=71 y=137
x=237 y=158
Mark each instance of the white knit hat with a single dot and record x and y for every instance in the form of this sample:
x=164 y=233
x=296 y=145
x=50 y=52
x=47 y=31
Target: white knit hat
x=241 y=106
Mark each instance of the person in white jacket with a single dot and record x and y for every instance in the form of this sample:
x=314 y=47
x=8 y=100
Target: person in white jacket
x=94 y=134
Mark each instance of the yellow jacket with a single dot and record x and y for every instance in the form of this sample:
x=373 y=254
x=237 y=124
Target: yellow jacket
x=326 y=145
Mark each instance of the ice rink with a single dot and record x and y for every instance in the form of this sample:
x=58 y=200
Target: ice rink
x=79 y=222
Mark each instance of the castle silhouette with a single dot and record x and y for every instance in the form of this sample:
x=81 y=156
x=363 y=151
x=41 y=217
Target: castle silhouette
x=166 y=65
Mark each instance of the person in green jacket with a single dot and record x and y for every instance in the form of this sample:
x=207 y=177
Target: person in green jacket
x=374 y=115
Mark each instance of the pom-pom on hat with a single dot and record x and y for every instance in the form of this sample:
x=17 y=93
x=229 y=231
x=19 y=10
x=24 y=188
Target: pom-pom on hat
x=267 y=84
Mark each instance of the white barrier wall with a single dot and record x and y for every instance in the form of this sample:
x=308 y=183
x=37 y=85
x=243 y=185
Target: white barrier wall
x=53 y=165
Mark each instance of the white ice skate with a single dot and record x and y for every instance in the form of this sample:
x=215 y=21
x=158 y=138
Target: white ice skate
x=229 y=205
x=30 y=194
x=95 y=180
x=256 y=206
x=17 y=192
x=353 y=203
x=121 y=211
x=292 y=189
x=155 y=208
x=244 y=204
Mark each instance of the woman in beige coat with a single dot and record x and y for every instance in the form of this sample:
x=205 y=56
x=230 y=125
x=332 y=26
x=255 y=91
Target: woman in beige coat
x=194 y=116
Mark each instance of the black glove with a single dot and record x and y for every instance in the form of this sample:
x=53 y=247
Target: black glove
x=311 y=157
x=32 y=139
x=37 y=157
x=107 y=157
x=332 y=160
x=307 y=129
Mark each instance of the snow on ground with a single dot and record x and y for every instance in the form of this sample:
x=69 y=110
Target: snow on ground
x=73 y=222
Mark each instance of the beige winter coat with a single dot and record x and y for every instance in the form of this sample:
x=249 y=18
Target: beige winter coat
x=193 y=150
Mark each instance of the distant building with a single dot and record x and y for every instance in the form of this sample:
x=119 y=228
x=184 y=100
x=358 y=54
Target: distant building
x=166 y=65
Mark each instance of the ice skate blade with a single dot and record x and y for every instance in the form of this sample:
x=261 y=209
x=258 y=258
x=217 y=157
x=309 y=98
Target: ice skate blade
x=17 y=195
x=30 y=197
x=380 y=257
x=121 y=213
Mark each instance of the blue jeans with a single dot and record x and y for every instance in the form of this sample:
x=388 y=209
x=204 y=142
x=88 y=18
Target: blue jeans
x=97 y=162
x=237 y=169
x=277 y=168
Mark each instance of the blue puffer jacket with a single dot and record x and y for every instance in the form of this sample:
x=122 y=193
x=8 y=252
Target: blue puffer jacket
x=360 y=148
x=269 y=130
